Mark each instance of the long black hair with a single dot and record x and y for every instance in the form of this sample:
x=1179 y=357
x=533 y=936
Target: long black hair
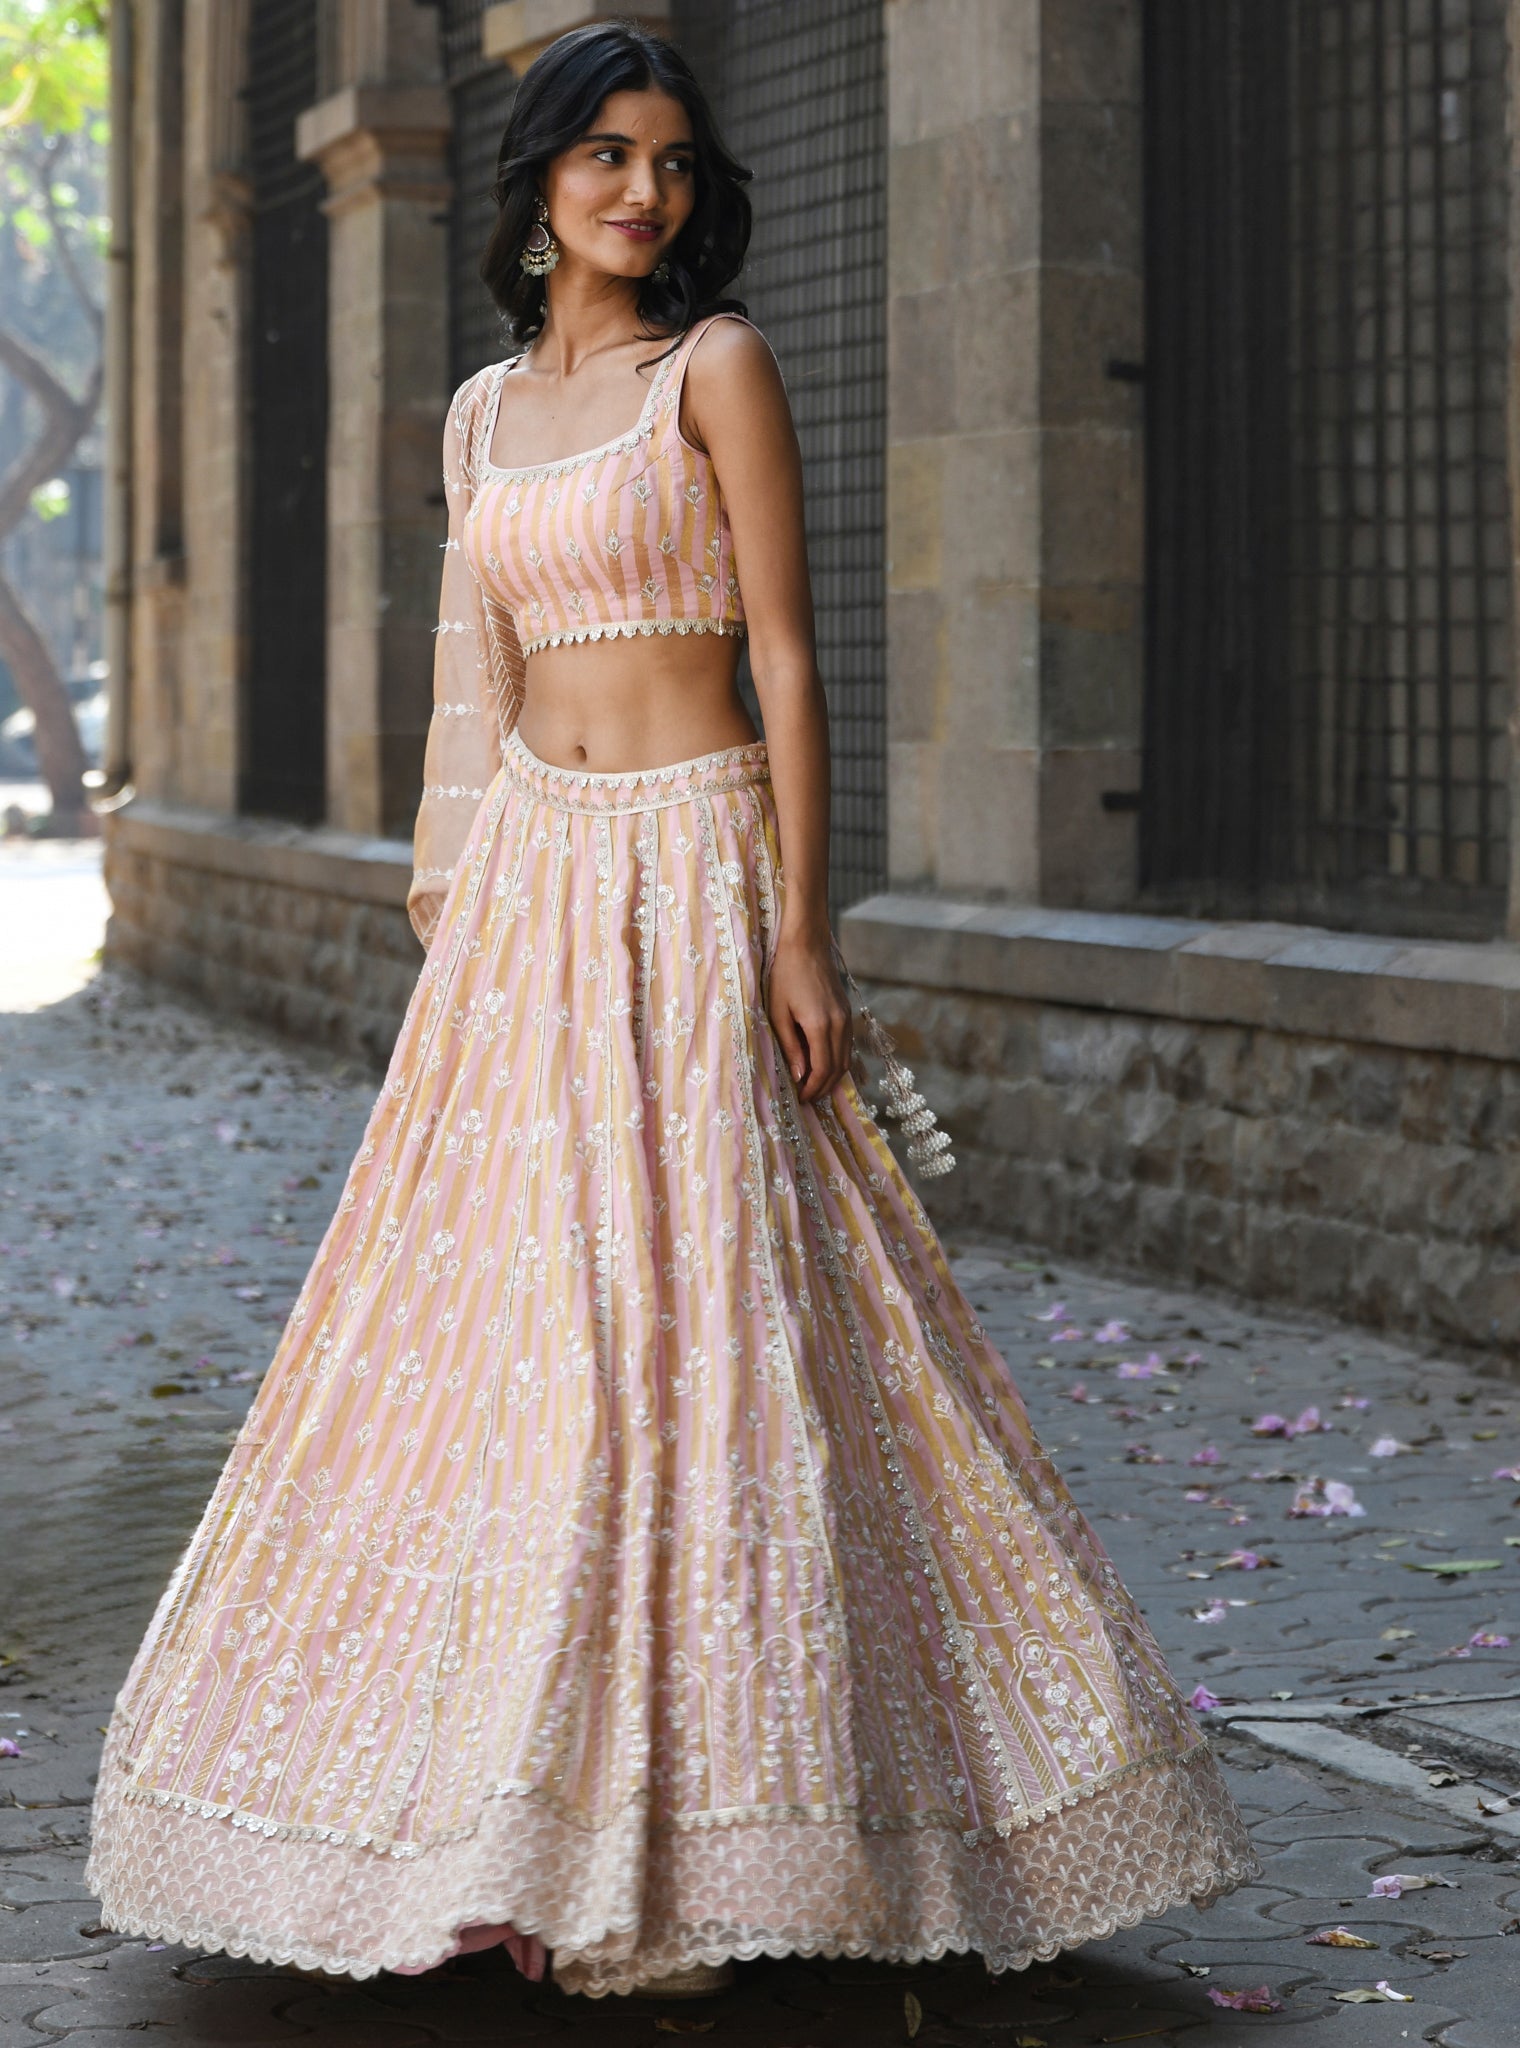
x=555 y=105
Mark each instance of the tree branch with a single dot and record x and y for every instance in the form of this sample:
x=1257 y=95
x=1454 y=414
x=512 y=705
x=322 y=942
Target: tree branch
x=65 y=419
x=66 y=257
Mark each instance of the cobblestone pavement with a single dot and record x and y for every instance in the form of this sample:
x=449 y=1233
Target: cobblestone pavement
x=164 y=1178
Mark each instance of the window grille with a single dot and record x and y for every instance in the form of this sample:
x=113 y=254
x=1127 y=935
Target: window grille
x=284 y=707
x=1330 y=613
x=481 y=95
x=799 y=89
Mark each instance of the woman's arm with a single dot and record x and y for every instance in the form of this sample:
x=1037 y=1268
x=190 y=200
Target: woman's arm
x=735 y=406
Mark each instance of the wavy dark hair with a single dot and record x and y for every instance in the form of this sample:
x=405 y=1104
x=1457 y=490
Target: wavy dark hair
x=556 y=104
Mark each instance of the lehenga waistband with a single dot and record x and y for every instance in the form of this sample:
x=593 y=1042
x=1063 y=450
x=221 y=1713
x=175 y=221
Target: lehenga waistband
x=635 y=789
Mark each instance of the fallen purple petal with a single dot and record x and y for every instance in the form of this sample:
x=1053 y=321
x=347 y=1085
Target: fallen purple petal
x=1202 y=1701
x=7 y=1747
x=1259 y=2000
x=1113 y=1332
x=1270 y=1425
x=1323 y=1497
x=1209 y=1455
x=1397 y=1883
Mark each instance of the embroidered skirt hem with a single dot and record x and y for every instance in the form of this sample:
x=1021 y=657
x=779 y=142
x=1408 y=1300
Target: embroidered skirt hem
x=619 y=1905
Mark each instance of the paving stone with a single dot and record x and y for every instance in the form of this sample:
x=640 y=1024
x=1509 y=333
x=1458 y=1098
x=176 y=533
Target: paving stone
x=50 y=1930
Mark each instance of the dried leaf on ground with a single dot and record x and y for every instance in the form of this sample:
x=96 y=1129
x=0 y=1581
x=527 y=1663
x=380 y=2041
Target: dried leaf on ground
x=1340 y=1937
x=1453 y=1567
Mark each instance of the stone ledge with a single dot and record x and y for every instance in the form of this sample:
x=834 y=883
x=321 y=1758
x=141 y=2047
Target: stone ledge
x=318 y=858
x=1421 y=995
x=395 y=111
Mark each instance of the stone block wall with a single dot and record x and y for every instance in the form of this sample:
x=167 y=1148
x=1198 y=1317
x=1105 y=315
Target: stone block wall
x=1294 y=1161
x=303 y=931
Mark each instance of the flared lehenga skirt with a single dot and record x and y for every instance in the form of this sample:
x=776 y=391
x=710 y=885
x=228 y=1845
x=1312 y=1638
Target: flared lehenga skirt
x=636 y=1540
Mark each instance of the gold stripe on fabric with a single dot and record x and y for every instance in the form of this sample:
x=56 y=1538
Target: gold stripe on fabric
x=836 y=1634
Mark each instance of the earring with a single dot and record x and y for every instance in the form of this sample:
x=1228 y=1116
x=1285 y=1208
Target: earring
x=661 y=271
x=540 y=251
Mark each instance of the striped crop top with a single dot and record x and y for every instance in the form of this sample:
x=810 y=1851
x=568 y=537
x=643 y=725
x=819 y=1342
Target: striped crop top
x=631 y=537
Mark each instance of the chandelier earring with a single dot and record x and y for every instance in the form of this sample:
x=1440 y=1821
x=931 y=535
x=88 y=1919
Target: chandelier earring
x=540 y=251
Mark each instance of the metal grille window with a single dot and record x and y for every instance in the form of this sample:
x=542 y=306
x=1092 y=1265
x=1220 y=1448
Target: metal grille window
x=799 y=88
x=481 y=94
x=284 y=709
x=1329 y=525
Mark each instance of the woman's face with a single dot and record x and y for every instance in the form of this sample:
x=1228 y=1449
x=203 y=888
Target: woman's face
x=620 y=195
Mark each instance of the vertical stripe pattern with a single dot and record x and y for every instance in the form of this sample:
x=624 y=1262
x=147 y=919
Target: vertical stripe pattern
x=637 y=1539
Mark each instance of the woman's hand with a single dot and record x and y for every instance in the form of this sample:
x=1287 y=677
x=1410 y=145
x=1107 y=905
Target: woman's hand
x=810 y=1014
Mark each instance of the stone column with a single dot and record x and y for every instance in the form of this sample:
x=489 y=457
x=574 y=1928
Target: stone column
x=382 y=150
x=157 y=343
x=515 y=31
x=1512 y=921
x=1014 y=527
x=214 y=414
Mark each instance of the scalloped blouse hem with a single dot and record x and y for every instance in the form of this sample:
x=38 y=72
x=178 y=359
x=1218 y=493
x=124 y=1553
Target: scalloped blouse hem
x=627 y=629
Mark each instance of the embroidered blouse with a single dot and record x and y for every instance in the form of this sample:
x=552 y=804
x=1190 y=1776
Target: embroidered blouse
x=631 y=537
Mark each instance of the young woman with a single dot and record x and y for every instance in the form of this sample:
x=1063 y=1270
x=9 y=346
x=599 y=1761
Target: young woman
x=637 y=1550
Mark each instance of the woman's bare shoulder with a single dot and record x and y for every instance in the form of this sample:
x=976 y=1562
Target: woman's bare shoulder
x=732 y=360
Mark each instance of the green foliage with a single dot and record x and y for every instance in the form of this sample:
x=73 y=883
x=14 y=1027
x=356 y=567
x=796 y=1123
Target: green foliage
x=53 y=64
x=51 y=500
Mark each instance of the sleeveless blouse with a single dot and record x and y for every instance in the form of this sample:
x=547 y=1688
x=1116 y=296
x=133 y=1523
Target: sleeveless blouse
x=631 y=537
x=628 y=538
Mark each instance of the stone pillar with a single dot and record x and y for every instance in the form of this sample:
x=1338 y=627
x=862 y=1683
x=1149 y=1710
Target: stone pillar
x=215 y=306
x=1512 y=920
x=382 y=149
x=516 y=30
x=1014 y=531
x=157 y=341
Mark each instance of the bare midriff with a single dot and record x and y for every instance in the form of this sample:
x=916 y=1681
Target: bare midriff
x=614 y=706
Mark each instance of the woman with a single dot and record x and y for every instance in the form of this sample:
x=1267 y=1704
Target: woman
x=636 y=1548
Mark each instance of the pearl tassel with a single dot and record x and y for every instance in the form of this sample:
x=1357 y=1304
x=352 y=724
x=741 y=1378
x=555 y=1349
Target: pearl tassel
x=928 y=1146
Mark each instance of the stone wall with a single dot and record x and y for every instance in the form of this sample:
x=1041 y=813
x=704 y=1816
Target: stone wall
x=1319 y=1146
x=302 y=930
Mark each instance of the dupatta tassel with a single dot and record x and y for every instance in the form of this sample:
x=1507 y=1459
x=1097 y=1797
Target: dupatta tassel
x=928 y=1146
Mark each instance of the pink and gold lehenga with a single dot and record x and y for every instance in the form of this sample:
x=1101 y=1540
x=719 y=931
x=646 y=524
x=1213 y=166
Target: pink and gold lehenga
x=636 y=1548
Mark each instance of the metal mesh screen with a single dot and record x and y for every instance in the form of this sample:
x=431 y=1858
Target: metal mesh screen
x=799 y=88
x=284 y=708
x=481 y=94
x=1370 y=783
